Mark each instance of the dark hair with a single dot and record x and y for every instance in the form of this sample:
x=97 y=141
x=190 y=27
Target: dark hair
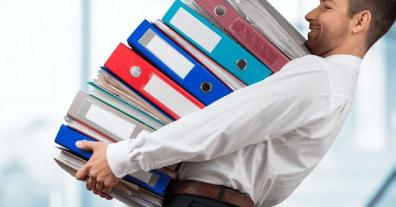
x=383 y=16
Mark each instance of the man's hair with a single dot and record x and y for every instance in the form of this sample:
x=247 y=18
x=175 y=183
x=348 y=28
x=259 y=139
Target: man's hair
x=383 y=16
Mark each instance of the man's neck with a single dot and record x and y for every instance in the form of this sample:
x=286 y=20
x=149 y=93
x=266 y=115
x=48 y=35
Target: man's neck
x=358 y=50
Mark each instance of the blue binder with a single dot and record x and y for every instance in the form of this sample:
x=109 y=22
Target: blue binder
x=215 y=43
x=67 y=138
x=177 y=64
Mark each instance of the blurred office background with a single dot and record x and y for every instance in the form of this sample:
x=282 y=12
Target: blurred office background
x=49 y=48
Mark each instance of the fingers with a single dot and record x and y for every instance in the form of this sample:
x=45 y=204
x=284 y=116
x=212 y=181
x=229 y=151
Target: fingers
x=109 y=197
x=106 y=196
x=86 y=145
x=82 y=174
x=107 y=188
x=99 y=186
x=91 y=184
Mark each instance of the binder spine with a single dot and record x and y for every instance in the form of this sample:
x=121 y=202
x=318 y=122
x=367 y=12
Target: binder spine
x=94 y=113
x=183 y=69
x=168 y=119
x=222 y=74
x=151 y=83
x=216 y=44
x=67 y=138
x=233 y=23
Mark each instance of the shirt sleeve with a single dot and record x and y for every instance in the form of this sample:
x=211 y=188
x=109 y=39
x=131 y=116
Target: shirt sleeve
x=263 y=111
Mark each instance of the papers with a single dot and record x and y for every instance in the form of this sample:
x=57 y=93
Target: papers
x=107 y=82
x=138 y=92
x=128 y=193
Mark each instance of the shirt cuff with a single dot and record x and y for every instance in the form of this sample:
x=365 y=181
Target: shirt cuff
x=118 y=158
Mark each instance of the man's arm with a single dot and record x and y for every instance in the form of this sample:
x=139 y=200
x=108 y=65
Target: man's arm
x=251 y=115
x=281 y=103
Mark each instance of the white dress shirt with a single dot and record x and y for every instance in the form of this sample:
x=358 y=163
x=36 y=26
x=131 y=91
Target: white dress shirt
x=262 y=140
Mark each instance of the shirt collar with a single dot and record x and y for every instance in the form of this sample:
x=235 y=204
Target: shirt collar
x=348 y=60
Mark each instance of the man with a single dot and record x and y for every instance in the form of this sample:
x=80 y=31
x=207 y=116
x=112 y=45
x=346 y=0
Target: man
x=258 y=144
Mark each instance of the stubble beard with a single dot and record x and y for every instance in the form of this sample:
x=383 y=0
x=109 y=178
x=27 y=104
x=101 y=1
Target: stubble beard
x=318 y=45
x=325 y=42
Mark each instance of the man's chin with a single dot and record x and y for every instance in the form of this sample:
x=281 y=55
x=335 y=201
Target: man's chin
x=314 y=48
x=310 y=47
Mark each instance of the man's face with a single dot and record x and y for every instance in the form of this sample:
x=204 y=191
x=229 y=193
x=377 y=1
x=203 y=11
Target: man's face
x=330 y=25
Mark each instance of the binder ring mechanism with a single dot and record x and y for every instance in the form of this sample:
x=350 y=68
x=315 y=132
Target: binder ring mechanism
x=241 y=64
x=206 y=87
x=135 y=71
x=220 y=10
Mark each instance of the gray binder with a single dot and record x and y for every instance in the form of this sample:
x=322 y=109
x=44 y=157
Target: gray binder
x=104 y=118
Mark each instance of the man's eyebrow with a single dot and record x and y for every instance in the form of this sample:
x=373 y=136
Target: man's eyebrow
x=329 y=1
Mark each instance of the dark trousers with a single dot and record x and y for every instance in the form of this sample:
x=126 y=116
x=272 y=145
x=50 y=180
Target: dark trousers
x=183 y=200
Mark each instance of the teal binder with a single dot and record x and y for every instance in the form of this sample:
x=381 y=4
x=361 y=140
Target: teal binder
x=215 y=43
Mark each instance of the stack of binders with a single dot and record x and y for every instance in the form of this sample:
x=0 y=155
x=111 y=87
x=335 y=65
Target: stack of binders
x=199 y=52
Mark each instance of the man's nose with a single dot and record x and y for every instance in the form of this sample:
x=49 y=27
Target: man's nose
x=311 y=15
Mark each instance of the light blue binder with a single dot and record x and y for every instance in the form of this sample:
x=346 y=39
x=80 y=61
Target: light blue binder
x=216 y=44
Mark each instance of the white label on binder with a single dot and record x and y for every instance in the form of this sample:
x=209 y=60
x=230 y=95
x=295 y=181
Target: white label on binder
x=196 y=30
x=170 y=97
x=170 y=56
x=110 y=122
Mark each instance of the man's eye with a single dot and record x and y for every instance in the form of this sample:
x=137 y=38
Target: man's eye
x=327 y=7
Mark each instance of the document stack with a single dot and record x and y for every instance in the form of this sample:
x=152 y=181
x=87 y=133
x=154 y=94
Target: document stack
x=199 y=52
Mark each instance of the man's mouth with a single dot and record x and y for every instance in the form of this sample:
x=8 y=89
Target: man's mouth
x=314 y=28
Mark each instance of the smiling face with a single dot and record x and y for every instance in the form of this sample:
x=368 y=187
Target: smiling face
x=330 y=26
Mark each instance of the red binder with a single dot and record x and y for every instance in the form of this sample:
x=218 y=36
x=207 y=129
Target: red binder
x=136 y=72
x=236 y=25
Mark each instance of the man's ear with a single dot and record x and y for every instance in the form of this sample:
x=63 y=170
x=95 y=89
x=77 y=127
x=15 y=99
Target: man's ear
x=361 y=22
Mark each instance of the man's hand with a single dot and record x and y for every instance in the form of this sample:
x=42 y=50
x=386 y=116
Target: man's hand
x=97 y=170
